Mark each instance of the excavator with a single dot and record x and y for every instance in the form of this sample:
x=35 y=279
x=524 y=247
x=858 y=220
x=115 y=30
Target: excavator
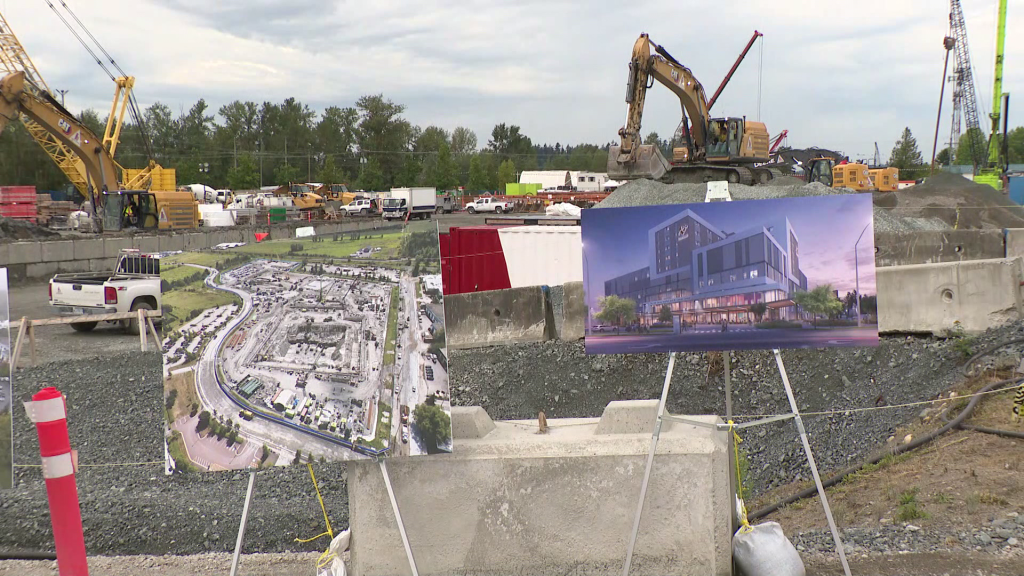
x=305 y=200
x=712 y=148
x=112 y=204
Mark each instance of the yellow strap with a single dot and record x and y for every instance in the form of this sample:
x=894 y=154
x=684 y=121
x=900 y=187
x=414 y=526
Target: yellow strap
x=327 y=556
x=739 y=476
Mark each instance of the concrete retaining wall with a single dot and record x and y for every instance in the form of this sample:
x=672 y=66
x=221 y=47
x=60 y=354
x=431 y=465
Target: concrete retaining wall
x=930 y=247
x=496 y=317
x=38 y=260
x=517 y=502
x=930 y=298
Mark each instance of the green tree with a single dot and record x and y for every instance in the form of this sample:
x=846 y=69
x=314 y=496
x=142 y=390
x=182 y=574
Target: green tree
x=758 y=309
x=944 y=157
x=869 y=305
x=508 y=142
x=204 y=421
x=616 y=311
x=974 y=139
x=821 y=301
x=665 y=314
x=286 y=173
x=444 y=171
x=1016 y=145
x=506 y=174
x=433 y=424
x=265 y=454
x=330 y=174
x=172 y=396
x=477 y=176
x=384 y=133
x=298 y=457
x=906 y=156
x=370 y=176
x=245 y=176
x=463 y=141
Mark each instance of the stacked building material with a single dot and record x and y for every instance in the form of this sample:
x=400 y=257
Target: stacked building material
x=50 y=212
x=18 y=202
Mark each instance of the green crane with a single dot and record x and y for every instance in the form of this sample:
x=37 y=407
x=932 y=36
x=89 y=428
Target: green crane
x=998 y=163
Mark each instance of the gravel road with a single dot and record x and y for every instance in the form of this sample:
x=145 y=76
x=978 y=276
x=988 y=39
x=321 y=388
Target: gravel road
x=115 y=420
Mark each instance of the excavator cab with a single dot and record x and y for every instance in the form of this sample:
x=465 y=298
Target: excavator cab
x=123 y=209
x=820 y=170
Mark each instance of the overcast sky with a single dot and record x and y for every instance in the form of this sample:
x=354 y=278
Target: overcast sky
x=836 y=75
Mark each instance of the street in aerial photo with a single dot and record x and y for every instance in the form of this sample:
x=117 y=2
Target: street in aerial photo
x=323 y=348
x=754 y=274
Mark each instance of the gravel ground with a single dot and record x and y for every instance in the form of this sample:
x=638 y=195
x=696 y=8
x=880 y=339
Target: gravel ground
x=565 y=383
x=249 y=565
x=132 y=508
x=650 y=192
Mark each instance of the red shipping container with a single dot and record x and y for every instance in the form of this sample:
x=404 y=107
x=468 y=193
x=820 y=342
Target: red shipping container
x=472 y=260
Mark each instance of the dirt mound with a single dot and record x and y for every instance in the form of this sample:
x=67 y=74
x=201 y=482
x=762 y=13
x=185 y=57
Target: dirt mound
x=650 y=192
x=13 y=230
x=956 y=201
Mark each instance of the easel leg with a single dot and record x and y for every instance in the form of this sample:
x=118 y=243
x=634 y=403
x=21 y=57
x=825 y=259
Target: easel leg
x=16 y=354
x=241 y=525
x=650 y=462
x=142 y=329
x=32 y=341
x=810 y=461
x=152 y=330
x=398 y=517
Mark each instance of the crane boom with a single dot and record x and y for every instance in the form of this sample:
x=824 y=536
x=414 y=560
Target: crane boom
x=714 y=97
x=997 y=162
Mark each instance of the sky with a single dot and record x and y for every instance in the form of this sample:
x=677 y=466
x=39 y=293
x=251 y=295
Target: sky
x=615 y=240
x=834 y=75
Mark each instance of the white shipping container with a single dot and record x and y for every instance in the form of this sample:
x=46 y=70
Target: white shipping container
x=542 y=255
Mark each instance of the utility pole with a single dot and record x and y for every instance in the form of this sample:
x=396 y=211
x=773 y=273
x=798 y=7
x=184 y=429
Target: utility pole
x=948 y=42
x=62 y=93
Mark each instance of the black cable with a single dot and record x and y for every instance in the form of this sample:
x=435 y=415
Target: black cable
x=950 y=424
x=80 y=40
x=27 y=555
x=97 y=42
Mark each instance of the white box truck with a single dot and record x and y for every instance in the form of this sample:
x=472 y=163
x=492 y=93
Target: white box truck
x=416 y=202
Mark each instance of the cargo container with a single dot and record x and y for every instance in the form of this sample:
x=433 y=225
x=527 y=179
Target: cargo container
x=542 y=255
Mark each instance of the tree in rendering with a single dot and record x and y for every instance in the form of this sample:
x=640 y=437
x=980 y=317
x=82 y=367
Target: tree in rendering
x=433 y=423
x=758 y=309
x=665 y=314
x=616 y=311
x=819 y=301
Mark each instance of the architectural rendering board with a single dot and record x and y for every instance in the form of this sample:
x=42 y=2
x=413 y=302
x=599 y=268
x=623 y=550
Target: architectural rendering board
x=6 y=430
x=780 y=273
x=305 y=349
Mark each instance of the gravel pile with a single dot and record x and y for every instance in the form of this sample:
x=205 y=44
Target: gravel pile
x=650 y=192
x=516 y=382
x=958 y=201
x=1001 y=534
x=887 y=221
x=12 y=230
x=115 y=417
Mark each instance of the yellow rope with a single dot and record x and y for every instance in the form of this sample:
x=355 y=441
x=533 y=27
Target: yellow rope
x=739 y=477
x=327 y=556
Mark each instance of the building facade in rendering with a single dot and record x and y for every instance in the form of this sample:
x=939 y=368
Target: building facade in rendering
x=705 y=274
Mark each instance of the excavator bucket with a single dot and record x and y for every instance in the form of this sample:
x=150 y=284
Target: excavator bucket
x=649 y=163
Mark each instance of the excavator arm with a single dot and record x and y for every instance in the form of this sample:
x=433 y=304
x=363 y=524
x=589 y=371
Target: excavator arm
x=89 y=154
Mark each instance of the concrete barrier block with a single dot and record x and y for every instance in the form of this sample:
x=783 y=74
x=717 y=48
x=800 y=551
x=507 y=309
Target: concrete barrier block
x=102 y=264
x=281 y=233
x=86 y=249
x=173 y=243
x=73 y=266
x=516 y=502
x=470 y=422
x=147 y=244
x=979 y=294
x=5 y=254
x=630 y=417
x=1014 y=238
x=931 y=247
x=112 y=246
x=16 y=273
x=56 y=251
x=25 y=253
x=249 y=236
x=574 y=312
x=495 y=317
x=196 y=241
x=40 y=270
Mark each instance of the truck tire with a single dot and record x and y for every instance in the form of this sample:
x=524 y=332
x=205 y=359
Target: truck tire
x=498 y=209
x=132 y=325
x=471 y=210
x=364 y=212
x=439 y=210
x=84 y=326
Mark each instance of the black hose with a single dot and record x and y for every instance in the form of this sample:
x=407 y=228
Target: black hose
x=955 y=423
x=26 y=555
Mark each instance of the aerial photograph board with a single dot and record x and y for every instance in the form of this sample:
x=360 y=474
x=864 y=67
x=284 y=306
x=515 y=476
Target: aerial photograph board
x=754 y=274
x=6 y=436
x=320 y=348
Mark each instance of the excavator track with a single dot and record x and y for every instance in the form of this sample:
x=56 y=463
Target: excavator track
x=700 y=173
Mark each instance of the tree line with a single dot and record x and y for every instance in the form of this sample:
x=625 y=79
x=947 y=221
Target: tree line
x=368 y=146
x=972 y=146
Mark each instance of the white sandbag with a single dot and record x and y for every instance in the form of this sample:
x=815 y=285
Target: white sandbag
x=336 y=567
x=765 y=551
x=563 y=209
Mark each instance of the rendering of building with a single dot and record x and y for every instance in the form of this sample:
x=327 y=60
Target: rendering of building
x=705 y=274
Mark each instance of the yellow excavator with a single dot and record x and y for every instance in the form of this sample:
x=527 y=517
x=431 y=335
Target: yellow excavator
x=112 y=204
x=305 y=200
x=711 y=148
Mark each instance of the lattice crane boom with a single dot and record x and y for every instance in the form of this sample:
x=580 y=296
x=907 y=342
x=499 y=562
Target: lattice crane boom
x=965 y=100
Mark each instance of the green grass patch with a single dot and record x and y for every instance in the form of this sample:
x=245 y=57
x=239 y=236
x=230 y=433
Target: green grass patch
x=201 y=258
x=176 y=446
x=382 y=431
x=909 y=509
x=779 y=325
x=392 y=335
x=6 y=458
x=177 y=273
x=186 y=304
x=942 y=498
x=327 y=247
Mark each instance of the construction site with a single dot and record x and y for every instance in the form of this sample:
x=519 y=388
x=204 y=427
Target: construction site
x=316 y=300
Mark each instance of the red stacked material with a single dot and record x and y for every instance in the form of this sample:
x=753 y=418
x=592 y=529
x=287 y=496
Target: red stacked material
x=472 y=260
x=18 y=202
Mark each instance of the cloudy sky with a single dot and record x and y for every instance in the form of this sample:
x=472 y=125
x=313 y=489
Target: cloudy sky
x=836 y=75
x=616 y=240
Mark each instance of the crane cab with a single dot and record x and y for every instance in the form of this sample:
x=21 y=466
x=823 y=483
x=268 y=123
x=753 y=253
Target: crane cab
x=149 y=210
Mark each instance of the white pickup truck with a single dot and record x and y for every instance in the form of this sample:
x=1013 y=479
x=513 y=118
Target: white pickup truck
x=488 y=204
x=133 y=285
x=361 y=207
